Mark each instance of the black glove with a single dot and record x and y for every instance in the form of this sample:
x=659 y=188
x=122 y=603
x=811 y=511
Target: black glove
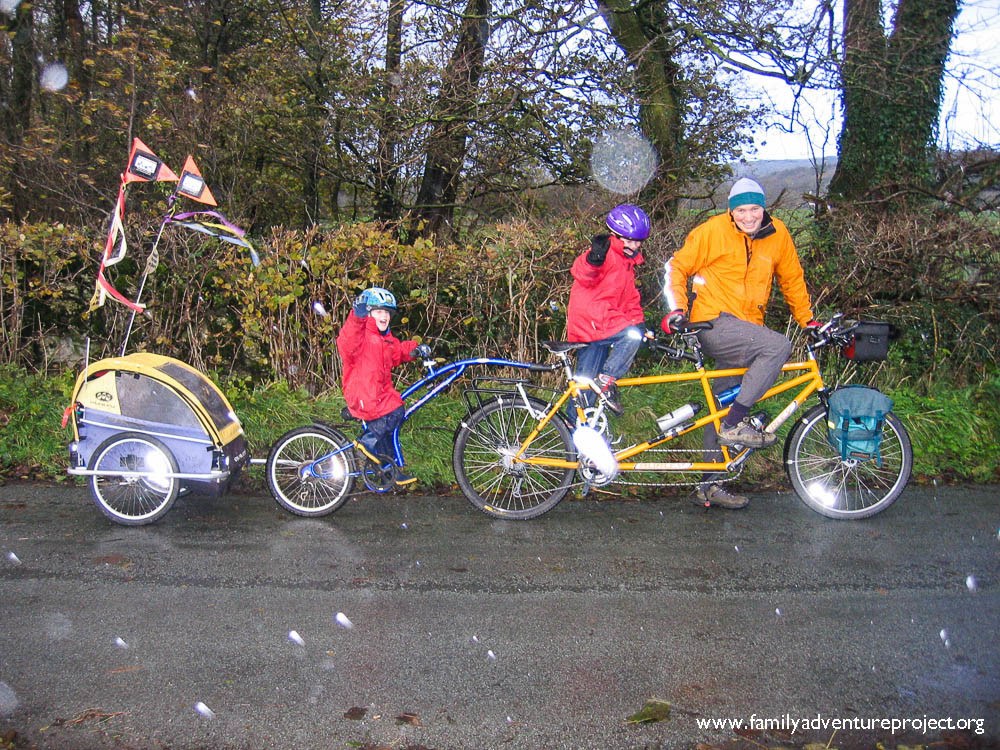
x=422 y=351
x=599 y=246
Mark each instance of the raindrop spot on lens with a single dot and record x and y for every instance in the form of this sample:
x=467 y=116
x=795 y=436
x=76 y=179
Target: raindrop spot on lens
x=343 y=621
x=54 y=77
x=8 y=700
x=623 y=161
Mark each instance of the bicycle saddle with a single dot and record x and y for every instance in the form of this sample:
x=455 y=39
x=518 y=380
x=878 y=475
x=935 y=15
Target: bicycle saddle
x=559 y=347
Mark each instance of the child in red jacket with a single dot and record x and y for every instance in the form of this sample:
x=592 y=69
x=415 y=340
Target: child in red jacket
x=604 y=306
x=369 y=352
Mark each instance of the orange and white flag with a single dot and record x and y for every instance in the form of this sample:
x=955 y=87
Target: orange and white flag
x=145 y=166
x=115 y=248
x=193 y=186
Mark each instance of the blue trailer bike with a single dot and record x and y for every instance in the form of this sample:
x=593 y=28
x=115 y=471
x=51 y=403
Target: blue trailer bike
x=314 y=469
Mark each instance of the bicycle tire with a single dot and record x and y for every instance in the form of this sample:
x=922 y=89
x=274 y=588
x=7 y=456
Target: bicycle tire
x=847 y=489
x=484 y=444
x=133 y=500
x=292 y=482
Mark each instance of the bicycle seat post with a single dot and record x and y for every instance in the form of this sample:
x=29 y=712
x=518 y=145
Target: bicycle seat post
x=567 y=368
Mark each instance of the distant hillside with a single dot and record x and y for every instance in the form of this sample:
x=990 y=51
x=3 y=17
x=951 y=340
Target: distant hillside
x=785 y=181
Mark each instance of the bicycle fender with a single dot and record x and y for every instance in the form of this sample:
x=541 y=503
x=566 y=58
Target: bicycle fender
x=331 y=431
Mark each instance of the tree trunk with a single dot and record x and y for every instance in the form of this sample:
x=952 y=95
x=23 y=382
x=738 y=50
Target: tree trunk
x=72 y=45
x=18 y=110
x=453 y=111
x=891 y=94
x=386 y=169
x=659 y=80
x=315 y=112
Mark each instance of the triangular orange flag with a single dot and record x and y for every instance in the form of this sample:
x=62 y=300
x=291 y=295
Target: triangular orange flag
x=193 y=186
x=145 y=166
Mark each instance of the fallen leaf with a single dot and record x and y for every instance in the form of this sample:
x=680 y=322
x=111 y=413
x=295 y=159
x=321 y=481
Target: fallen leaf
x=356 y=713
x=117 y=560
x=91 y=714
x=407 y=718
x=654 y=710
x=124 y=670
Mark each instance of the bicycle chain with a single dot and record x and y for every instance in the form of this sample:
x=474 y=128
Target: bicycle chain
x=723 y=477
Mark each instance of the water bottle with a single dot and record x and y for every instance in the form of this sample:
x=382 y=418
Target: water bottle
x=677 y=416
x=728 y=396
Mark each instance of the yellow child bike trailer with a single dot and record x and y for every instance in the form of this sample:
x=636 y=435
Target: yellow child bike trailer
x=147 y=428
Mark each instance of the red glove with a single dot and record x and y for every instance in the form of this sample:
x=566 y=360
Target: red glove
x=812 y=329
x=674 y=321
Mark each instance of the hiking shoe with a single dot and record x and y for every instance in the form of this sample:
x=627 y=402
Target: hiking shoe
x=403 y=479
x=612 y=399
x=713 y=494
x=745 y=434
x=367 y=453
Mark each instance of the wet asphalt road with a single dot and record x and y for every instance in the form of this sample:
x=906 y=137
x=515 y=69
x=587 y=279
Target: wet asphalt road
x=474 y=633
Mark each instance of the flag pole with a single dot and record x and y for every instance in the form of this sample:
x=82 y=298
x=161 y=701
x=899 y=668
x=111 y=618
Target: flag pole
x=149 y=268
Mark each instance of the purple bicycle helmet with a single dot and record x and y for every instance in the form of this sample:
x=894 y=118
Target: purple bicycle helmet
x=629 y=221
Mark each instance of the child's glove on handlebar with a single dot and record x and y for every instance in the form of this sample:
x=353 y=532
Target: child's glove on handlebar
x=674 y=321
x=422 y=351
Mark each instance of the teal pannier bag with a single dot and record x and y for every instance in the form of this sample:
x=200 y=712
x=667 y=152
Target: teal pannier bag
x=855 y=419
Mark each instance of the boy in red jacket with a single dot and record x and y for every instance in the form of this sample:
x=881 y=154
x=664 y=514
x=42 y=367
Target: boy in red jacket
x=369 y=352
x=604 y=306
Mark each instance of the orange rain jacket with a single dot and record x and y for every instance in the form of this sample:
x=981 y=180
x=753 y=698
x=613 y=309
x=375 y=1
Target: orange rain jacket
x=732 y=272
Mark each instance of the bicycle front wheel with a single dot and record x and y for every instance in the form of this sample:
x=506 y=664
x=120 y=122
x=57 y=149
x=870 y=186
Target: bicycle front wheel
x=485 y=445
x=851 y=488
x=300 y=482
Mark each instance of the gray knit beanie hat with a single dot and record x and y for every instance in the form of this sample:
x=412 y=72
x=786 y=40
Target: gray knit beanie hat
x=746 y=192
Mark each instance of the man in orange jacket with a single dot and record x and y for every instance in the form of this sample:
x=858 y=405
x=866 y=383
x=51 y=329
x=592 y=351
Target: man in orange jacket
x=731 y=261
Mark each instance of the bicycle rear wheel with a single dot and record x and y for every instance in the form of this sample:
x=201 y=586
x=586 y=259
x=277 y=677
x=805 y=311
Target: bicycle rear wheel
x=850 y=488
x=485 y=445
x=299 y=483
